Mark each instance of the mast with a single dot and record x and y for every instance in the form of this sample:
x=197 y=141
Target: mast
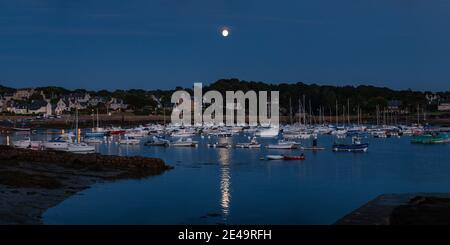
x=348 y=111
x=418 y=114
x=337 y=113
x=310 y=113
x=304 y=109
x=98 y=123
x=76 y=124
x=290 y=110
x=299 y=112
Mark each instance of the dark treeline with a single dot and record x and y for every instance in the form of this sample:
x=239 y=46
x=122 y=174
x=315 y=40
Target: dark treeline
x=324 y=98
x=317 y=97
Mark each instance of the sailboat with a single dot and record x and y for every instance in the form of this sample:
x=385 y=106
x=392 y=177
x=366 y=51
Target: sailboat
x=96 y=131
x=78 y=147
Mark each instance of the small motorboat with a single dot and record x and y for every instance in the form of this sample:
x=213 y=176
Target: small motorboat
x=60 y=143
x=23 y=144
x=253 y=144
x=283 y=145
x=155 y=141
x=355 y=146
x=298 y=158
x=275 y=157
x=182 y=142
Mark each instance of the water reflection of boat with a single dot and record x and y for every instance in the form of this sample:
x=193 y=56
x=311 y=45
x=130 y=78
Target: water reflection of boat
x=219 y=145
x=275 y=157
x=314 y=146
x=298 y=158
x=129 y=141
x=355 y=146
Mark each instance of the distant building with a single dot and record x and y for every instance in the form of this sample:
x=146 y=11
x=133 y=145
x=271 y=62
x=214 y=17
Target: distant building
x=62 y=106
x=22 y=94
x=116 y=104
x=40 y=107
x=16 y=107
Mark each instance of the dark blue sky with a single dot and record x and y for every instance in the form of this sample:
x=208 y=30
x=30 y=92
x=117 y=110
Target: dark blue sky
x=166 y=43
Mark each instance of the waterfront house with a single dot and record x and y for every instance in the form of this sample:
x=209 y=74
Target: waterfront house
x=80 y=97
x=16 y=107
x=40 y=107
x=95 y=100
x=116 y=104
x=62 y=106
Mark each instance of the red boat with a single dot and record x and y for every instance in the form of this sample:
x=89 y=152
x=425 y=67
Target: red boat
x=115 y=132
x=301 y=158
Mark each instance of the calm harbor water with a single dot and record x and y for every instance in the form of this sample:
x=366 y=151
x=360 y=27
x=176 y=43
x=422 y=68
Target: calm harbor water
x=233 y=186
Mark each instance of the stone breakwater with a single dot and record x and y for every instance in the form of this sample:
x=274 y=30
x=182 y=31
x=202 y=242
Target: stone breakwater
x=135 y=166
x=33 y=181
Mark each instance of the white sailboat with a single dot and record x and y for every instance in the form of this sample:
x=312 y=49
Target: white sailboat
x=78 y=147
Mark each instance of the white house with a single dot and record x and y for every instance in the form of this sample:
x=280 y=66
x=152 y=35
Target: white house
x=62 y=106
x=116 y=104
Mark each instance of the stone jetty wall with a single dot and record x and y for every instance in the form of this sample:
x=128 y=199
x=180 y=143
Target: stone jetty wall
x=133 y=166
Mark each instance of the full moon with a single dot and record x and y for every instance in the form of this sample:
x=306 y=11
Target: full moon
x=225 y=33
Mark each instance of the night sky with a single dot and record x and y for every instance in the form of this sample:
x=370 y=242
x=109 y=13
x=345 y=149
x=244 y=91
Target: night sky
x=166 y=43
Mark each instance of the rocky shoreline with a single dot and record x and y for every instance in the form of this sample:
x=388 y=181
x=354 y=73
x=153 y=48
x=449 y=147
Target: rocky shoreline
x=33 y=181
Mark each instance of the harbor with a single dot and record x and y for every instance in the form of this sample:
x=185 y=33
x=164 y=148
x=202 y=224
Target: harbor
x=286 y=175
